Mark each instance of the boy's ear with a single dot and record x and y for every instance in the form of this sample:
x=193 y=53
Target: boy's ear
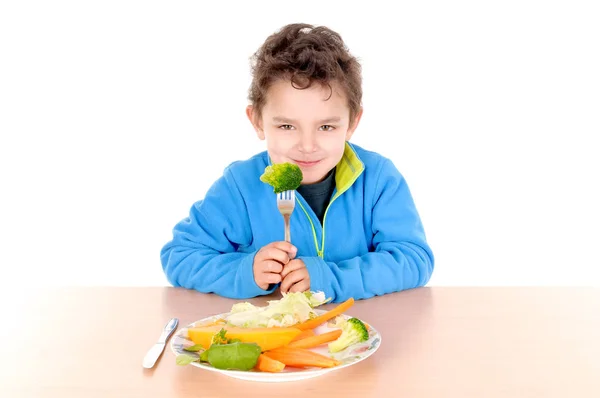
x=354 y=124
x=255 y=122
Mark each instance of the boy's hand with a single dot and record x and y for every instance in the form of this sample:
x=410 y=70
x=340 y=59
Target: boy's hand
x=269 y=262
x=295 y=277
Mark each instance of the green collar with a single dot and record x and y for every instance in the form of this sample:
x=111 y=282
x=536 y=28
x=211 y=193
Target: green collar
x=348 y=169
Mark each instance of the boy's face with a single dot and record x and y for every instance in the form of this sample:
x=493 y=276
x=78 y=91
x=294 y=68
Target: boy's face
x=305 y=128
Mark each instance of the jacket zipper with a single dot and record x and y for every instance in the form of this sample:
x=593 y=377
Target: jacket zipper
x=347 y=185
x=321 y=251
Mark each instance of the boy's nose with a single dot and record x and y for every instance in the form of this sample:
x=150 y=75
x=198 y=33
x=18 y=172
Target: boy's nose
x=308 y=143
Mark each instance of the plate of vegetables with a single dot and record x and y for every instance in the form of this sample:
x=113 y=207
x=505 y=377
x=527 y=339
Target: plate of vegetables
x=287 y=340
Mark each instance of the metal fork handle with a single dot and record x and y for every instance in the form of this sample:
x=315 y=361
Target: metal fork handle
x=286 y=221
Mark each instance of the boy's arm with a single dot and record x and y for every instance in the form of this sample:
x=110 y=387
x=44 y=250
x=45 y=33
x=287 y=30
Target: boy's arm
x=203 y=254
x=401 y=258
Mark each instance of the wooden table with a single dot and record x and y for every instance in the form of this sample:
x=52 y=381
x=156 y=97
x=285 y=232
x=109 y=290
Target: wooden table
x=436 y=342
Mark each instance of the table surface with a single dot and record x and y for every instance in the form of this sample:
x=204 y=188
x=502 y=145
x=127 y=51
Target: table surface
x=436 y=342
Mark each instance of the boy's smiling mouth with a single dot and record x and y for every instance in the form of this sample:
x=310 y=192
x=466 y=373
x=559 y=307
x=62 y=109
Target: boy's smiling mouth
x=302 y=163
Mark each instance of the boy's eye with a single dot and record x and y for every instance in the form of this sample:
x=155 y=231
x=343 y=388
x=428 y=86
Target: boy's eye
x=286 y=127
x=327 y=127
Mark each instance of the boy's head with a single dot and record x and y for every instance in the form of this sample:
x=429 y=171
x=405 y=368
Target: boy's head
x=305 y=98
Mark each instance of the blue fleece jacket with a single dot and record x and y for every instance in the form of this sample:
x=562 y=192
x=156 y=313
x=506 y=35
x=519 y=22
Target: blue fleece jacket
x=371 y=243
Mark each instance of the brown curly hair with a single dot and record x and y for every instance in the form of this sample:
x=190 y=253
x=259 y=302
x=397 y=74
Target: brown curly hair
x=305 y=54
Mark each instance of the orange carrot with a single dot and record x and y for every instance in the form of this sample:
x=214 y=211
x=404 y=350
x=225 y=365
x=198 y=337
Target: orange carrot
x=316 y=340
x=319 y=320
x=304 y=334
x=266 y=364
x=301 y=357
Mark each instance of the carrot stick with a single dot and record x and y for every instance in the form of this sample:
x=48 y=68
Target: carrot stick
x=316 y=340
x=301 y=357
x=305 y=333
x=266 y=364
x=313 y=323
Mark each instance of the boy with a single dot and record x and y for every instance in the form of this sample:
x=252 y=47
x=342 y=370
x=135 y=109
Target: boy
x=355 y=230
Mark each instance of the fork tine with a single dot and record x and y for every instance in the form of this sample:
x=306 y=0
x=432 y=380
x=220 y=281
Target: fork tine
x=286 y=196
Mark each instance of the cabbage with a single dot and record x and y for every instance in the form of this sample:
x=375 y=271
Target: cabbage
x=292 y=308
x=241 y=307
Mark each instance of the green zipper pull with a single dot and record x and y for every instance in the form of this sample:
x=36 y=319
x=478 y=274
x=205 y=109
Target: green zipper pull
x=320 y=253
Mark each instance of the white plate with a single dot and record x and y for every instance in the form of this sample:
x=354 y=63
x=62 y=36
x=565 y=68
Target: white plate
x=350 y=356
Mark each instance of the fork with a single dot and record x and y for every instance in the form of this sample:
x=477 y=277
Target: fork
x=286 y=201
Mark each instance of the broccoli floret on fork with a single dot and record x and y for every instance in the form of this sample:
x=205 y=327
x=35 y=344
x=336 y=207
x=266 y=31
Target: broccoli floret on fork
x=282 y=177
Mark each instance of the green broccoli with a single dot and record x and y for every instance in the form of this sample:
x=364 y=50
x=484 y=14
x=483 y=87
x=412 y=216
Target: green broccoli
x=353 y=331
x=282 y=177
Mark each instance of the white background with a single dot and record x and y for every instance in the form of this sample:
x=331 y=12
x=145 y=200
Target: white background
x=115 y=116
